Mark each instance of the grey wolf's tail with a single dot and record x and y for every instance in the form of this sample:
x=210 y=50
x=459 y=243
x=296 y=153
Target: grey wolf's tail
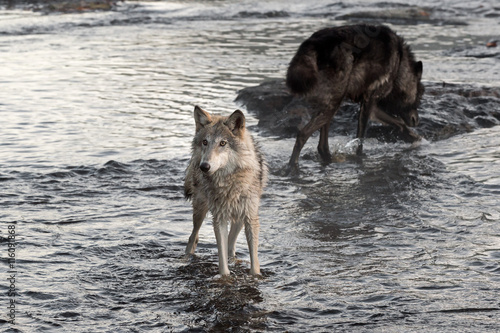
x=302 y=74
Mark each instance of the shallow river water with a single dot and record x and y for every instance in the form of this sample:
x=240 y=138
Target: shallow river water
x=96 y=125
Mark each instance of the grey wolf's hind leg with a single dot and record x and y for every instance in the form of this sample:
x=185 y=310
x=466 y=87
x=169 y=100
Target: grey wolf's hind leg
x=200 y=210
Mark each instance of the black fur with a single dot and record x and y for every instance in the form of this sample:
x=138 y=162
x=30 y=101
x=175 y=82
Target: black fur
x=367 y=63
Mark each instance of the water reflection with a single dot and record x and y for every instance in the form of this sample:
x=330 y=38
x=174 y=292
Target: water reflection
x=222 y=304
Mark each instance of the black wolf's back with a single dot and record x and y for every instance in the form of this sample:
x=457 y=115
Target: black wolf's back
x=332 y=48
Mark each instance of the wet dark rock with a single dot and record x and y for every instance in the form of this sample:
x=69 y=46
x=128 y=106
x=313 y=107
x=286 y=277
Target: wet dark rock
x=446 y=110
x=63 y=6
x=401 y=15
x=411 y=13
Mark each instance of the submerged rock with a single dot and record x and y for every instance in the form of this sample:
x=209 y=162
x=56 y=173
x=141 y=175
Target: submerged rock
x=477 y=51
x=446 y=110
x=79 y=6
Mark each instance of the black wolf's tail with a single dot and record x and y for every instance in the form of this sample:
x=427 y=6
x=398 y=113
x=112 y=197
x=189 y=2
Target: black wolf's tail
x=302 y=74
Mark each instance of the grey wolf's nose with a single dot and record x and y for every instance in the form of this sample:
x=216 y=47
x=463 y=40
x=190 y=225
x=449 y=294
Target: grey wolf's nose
x=204 y=166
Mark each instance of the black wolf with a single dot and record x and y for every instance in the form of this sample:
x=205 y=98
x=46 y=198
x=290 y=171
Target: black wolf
x=369 y=64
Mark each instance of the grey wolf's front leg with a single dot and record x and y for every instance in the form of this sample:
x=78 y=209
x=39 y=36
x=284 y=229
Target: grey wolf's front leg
x=200 y=210
x=236 y=227
x=252 y=232
x=221 y=235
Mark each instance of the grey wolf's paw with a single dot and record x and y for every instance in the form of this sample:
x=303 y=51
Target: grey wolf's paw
x=224 y=279
x=187 y=257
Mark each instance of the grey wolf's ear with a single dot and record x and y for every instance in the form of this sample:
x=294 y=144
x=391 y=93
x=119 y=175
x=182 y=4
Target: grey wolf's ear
x=201 y=118
x=236 y=122
x=418 y=68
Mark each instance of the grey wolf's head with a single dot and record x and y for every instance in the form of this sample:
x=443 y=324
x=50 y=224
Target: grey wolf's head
x=404 y=99
x=218 y=140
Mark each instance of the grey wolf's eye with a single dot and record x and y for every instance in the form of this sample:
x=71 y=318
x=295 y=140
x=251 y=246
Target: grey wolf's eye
x=205 y=142
x=223 y=143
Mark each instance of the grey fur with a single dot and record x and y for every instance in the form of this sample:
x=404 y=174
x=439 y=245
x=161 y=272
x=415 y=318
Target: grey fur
x=226 y=176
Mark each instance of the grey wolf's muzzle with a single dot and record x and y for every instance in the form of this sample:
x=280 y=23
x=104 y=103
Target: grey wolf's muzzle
x=204 y=166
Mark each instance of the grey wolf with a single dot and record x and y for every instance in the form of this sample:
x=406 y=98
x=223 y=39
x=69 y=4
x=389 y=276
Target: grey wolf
x=226 y=176
x=369 y=64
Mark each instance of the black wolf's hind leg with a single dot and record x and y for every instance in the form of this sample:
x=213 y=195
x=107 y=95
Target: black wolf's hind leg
x=318 y=121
